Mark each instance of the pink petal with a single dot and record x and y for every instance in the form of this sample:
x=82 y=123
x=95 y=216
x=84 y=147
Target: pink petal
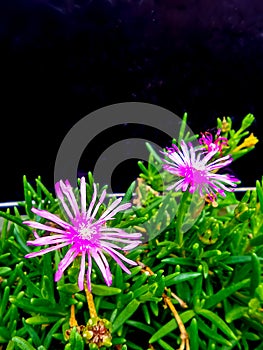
x=101 y=199
x=65 y=262
x=82 y=271
x=61 y=198
x=93 y=200
x=45 y=251
x=51 y=217
x=47 y=240
x=83 y=194
x=40 y=226
x=107 y=267
x=109 y=216
x=89 y=272
x=102 y=267
x=68 y=191
x=114 y=254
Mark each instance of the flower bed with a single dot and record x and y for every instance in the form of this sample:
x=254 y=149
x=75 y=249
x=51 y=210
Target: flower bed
x=175 y=263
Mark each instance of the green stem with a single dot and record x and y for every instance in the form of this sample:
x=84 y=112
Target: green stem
x=180 y=218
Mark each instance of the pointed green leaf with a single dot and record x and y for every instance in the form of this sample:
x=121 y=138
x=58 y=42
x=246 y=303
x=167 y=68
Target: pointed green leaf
x=16 y=220
x=45 y=191
x=140 y=325
x=185 y=276
x=125 y=314
x=256 y=273
x=214 y=299
x=211 y=334
x=5 y=334
x=4 y=271
x=53 y=330
x=22 y=343
x=193 y=334
x=41 y=319
x=69 y=288
x=235 y=313
x=75 y=340
x=32 y=333
x=4 y=301
x=153 y=152
x=218 y=322
x=103 y=290
x=165 y=345
x=171 y=326
x=28 y=307
x=260 y=194
x=182 y=129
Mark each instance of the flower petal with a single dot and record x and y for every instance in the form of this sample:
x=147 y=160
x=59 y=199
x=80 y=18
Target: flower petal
x=101 y=199
x=111 y=207
x=113 y=253
x=93 y=200
x=61 y=198
x=45 y=240
x=83 y=194
x=82 y=271
x=68 y=191
x=89 y=272
x=40 y=226
x=65 y=262
x=45 y=251
x=103 y=268
x=52 y=217
x=109 y=216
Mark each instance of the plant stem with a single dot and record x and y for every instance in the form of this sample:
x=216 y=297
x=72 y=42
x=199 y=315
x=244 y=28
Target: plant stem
x=90 y=301
x=72 y=320
x=180 y=218
x=184 y=335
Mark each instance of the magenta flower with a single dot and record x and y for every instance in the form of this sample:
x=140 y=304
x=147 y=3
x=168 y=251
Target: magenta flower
x=196 y=170
x=85 y=235
x=213 y=143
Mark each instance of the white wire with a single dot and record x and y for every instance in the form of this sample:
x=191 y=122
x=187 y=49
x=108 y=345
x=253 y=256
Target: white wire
x=16 y=203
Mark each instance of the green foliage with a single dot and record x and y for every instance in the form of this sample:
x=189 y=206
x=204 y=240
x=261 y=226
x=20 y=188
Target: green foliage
x=206 y=259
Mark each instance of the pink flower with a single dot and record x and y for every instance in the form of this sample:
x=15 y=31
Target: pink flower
x=85 y=235
x=196 y=170
x=213 y=143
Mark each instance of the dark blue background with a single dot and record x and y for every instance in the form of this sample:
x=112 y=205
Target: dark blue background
x=61 y=60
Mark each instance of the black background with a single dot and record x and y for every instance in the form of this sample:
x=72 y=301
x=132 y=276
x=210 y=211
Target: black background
x=64 y=59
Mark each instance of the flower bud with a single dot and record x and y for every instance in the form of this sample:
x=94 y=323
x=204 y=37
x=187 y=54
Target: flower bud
x=243 y=212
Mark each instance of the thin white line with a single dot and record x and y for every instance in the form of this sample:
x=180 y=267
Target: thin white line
x=244 y=189
x=14 y=203
x=8 y=204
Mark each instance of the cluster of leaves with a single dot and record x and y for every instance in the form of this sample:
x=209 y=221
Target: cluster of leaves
x=199 y=273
